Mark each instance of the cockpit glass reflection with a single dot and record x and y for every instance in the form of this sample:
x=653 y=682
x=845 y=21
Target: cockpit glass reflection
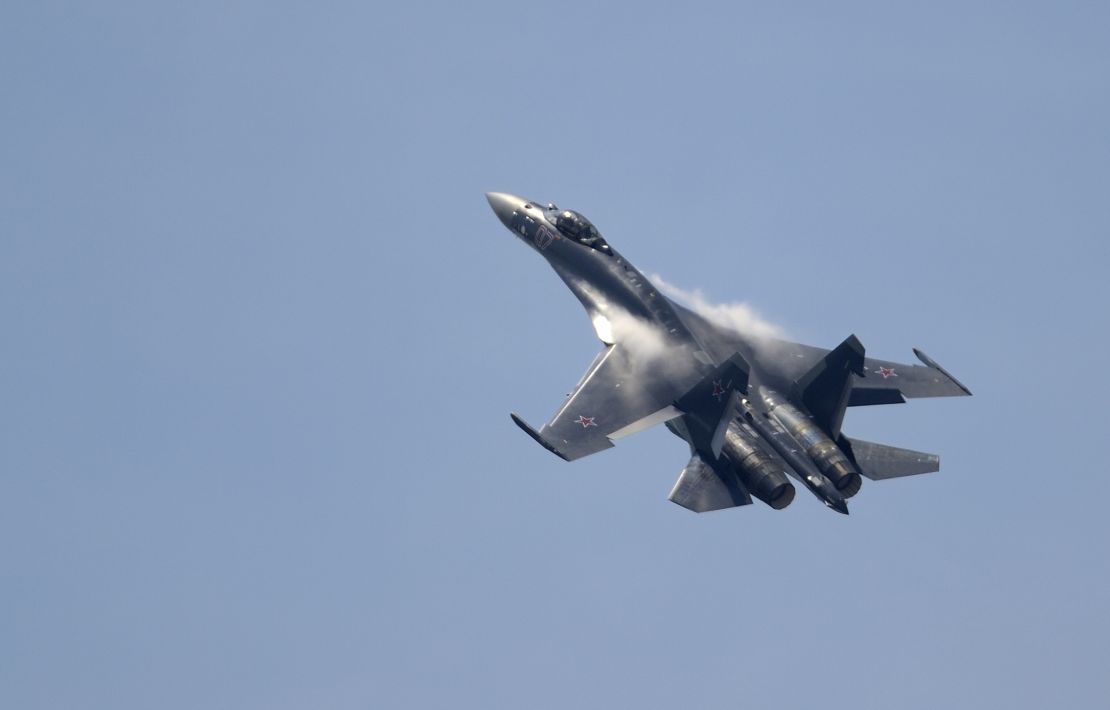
x=574 y=226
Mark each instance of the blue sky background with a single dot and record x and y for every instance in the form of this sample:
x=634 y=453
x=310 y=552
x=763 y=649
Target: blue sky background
x=261 y=335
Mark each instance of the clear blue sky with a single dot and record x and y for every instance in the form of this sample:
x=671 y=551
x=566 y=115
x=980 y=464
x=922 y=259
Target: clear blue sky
x=261 y=334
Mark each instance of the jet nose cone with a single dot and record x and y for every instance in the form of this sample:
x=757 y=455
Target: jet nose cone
x=504 y=205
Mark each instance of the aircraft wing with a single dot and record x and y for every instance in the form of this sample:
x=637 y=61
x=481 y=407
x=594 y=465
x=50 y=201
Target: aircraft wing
x=882 y=382
x=886 y=382
x=616 y=397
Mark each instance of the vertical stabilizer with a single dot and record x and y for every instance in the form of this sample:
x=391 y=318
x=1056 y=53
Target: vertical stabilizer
x=825 y=389
x=710 y=405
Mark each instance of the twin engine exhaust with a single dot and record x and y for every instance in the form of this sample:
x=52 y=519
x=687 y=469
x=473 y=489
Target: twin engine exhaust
x=756 y=469
x=810 y=456
x=822 y=450
x=728 y=433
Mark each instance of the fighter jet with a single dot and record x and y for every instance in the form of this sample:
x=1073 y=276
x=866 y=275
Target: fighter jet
x=754 y=410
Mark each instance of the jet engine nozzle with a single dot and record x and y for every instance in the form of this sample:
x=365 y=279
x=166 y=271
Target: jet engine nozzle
x=758 y=471
x=829 y=459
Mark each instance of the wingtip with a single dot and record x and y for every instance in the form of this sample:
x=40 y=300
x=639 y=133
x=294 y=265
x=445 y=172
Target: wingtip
x=527 y=429
x=930 y=362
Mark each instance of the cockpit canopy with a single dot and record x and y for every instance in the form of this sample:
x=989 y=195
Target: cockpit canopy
x=574 y=226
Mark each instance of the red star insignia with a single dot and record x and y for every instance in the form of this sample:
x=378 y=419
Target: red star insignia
x=719 y=389
x=586 y=422
x=887 y=372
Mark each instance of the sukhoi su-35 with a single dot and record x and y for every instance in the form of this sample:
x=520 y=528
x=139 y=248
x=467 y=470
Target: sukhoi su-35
x=756 y=411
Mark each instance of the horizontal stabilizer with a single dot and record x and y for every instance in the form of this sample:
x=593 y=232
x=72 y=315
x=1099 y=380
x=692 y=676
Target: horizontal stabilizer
x=879 y=461
x=700 y=488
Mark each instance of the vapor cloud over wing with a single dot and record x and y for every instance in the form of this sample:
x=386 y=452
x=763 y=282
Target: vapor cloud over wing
x=737 y=315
